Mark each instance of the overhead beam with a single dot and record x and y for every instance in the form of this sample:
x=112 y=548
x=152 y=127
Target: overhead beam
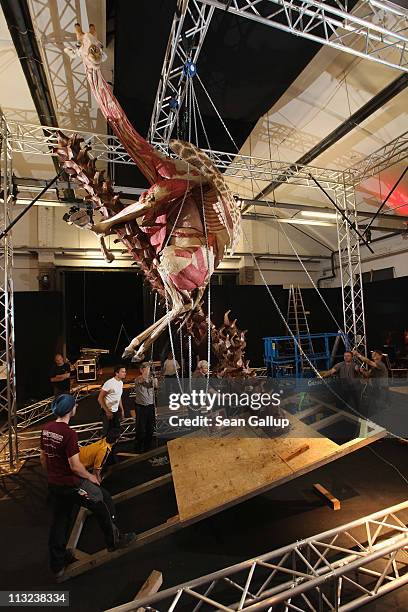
x=289 y=206
x=374 y=228
x=334 y=25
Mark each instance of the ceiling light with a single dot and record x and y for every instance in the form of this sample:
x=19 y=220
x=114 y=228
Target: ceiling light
x=306 y=222
x=318 y=215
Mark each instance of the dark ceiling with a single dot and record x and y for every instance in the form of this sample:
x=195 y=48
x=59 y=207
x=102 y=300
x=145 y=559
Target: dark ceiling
x=245 y=66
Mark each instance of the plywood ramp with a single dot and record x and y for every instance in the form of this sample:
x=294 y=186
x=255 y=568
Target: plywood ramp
x=210 y=473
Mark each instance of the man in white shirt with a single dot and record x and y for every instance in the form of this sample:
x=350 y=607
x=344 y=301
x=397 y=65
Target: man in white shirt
x=170 y=366
x=110 y=400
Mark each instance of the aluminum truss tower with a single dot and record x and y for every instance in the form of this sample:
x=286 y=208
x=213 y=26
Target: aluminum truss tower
x=8 y=437
x=350 y=268
x=187 y=34
x=339 y=570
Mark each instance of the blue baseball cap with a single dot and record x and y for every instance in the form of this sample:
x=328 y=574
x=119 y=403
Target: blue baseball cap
x=63 y=404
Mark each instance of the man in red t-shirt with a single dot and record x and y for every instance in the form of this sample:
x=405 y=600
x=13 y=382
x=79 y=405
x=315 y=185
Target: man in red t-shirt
x=71 y=484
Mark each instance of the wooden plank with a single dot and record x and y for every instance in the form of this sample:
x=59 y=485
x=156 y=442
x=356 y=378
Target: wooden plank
x=333 y=501
x=77 y=528
x=309 y=411
x=150 y=587
x=142 y=488
x=327 y=421
x=161 y=450
x=104 y=556
x=118 y=498
x=288 y=456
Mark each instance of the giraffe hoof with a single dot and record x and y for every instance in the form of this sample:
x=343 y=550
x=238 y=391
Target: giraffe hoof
x=128 y=352
x=138 y=358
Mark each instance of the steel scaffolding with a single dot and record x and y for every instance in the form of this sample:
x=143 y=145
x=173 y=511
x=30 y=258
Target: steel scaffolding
x=32 y=139
x=187 y=34
x=8 y=434
x=374 y=30
x=350 y=268
x=339 y=570
x=390 y=154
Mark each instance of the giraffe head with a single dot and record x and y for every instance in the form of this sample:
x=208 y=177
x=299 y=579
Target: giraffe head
x=88 y=47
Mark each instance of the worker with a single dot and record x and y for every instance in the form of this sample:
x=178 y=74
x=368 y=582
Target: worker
x=71 y=484
x=348 y=388
x=378 y=371
x=94 y=456
x=145 y=385
x=170 y=366
x=60 y=375
x=346 y=369
x=110 y=400
x=201 y=370
x=378 y=376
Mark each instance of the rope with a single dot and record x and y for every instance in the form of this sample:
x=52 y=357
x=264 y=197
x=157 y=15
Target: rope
x=208 y=268
x=154 y=321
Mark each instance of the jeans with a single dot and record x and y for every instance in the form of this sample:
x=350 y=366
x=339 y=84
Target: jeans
x=64 y=499
x=107 y=424
x=145 y=423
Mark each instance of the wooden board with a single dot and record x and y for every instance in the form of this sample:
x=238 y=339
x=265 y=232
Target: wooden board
x=210 y=473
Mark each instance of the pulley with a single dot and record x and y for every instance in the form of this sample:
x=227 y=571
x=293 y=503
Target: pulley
x=190 y=69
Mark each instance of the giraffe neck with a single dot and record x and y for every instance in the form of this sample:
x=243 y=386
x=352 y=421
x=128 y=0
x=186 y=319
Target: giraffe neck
x=141 y=152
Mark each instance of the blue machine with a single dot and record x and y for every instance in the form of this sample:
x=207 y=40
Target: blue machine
x=284 y=359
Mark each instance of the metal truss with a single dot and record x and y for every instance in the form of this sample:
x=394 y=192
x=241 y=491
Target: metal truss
x=34 y=413
x=38 y=140
x=8 y=438
x=375 y=30
x=29 y=441
x=338 y=570
x=390 y=154
x=350 y=268
x=187 y=34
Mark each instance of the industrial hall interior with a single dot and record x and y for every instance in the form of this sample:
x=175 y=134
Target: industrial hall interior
x=203 y=305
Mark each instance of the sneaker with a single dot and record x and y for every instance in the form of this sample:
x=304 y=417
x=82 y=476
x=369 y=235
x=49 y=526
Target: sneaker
x=59 y=573
x=123 y=541
x=69 y=559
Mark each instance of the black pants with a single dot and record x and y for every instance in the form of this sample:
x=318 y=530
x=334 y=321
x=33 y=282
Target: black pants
x=145 y=423
x=108 y=424
x=64 y=499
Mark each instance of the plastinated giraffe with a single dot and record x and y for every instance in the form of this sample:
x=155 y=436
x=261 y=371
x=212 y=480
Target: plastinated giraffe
x=188 y=215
